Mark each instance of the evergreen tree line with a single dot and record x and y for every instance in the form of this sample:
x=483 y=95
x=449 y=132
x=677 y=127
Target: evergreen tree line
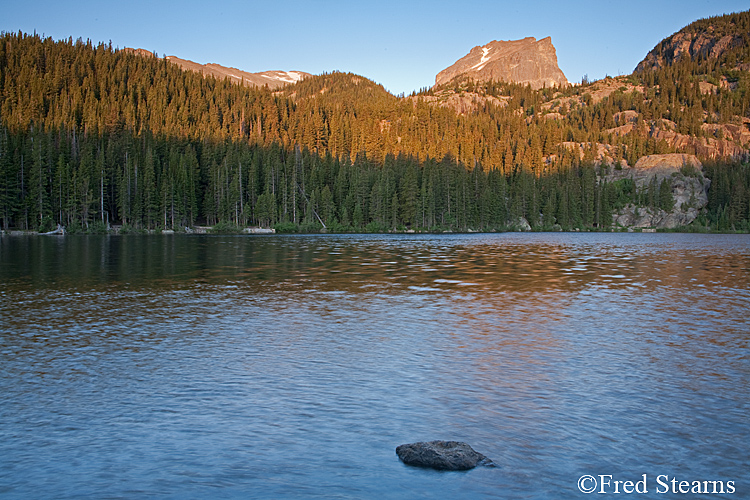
x=94 y=135
x=90 y=89
x=148 y=182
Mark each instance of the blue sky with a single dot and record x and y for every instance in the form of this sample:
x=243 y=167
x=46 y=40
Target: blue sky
x=399 y=44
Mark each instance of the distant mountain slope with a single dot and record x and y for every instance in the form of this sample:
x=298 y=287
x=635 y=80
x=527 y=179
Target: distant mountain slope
x=526 y=61
x=711 y=38
x=274 y=79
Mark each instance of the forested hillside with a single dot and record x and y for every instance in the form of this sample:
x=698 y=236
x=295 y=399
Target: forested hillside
x=91 y=135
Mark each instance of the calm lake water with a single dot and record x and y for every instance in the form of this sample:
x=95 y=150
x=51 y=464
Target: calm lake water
x=292 y=366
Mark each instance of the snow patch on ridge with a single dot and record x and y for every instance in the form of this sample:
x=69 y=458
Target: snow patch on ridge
x=484 y=60
x=296 y=75
x=287 y=76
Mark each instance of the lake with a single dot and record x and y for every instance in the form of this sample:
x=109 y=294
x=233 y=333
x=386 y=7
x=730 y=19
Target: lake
x=186 y=366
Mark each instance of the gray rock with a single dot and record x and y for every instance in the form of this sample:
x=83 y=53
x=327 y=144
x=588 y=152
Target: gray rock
x=442 y=455
x=688 y=184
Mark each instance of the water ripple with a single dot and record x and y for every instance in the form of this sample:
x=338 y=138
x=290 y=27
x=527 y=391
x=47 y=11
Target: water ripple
x=291 y=367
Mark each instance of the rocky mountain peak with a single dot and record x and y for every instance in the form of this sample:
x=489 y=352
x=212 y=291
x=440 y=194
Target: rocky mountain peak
x=526 y=61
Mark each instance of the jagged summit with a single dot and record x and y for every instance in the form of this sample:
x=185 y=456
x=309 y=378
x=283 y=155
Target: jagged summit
x=525 y=61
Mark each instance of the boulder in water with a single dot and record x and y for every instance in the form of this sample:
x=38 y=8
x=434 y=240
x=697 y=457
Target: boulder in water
x=442 y=455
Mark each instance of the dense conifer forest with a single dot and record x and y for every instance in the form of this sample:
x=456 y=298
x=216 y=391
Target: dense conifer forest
x=92 y=136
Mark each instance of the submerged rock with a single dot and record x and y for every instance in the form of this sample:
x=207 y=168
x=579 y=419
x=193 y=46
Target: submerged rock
x=442 y=455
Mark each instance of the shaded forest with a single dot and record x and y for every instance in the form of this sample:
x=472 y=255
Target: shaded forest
x=92 y=136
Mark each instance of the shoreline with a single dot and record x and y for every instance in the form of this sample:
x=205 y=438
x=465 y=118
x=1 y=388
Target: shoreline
x=207 y=230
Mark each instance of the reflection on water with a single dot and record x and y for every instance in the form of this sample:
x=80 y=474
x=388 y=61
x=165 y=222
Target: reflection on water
x=533 y=263
x=283 y=367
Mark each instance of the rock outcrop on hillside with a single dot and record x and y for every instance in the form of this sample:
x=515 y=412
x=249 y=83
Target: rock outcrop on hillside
x=688 y=185
x=464 y=102
x=719 y=141
x=526 y=61
x=692 y=45
x=706 y=38
x=601 y=154
x=139 y=52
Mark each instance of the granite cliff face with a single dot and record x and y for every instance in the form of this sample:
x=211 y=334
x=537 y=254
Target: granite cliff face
x=526 y=61
x=691 y=45
x=703 y=39
x=688 y=184
x=718 y=141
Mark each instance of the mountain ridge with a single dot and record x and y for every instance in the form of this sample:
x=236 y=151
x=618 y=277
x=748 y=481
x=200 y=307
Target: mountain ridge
x=274 y=79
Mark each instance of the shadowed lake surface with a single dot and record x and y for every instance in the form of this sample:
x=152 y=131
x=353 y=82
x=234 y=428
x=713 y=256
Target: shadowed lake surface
x=292 y=366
